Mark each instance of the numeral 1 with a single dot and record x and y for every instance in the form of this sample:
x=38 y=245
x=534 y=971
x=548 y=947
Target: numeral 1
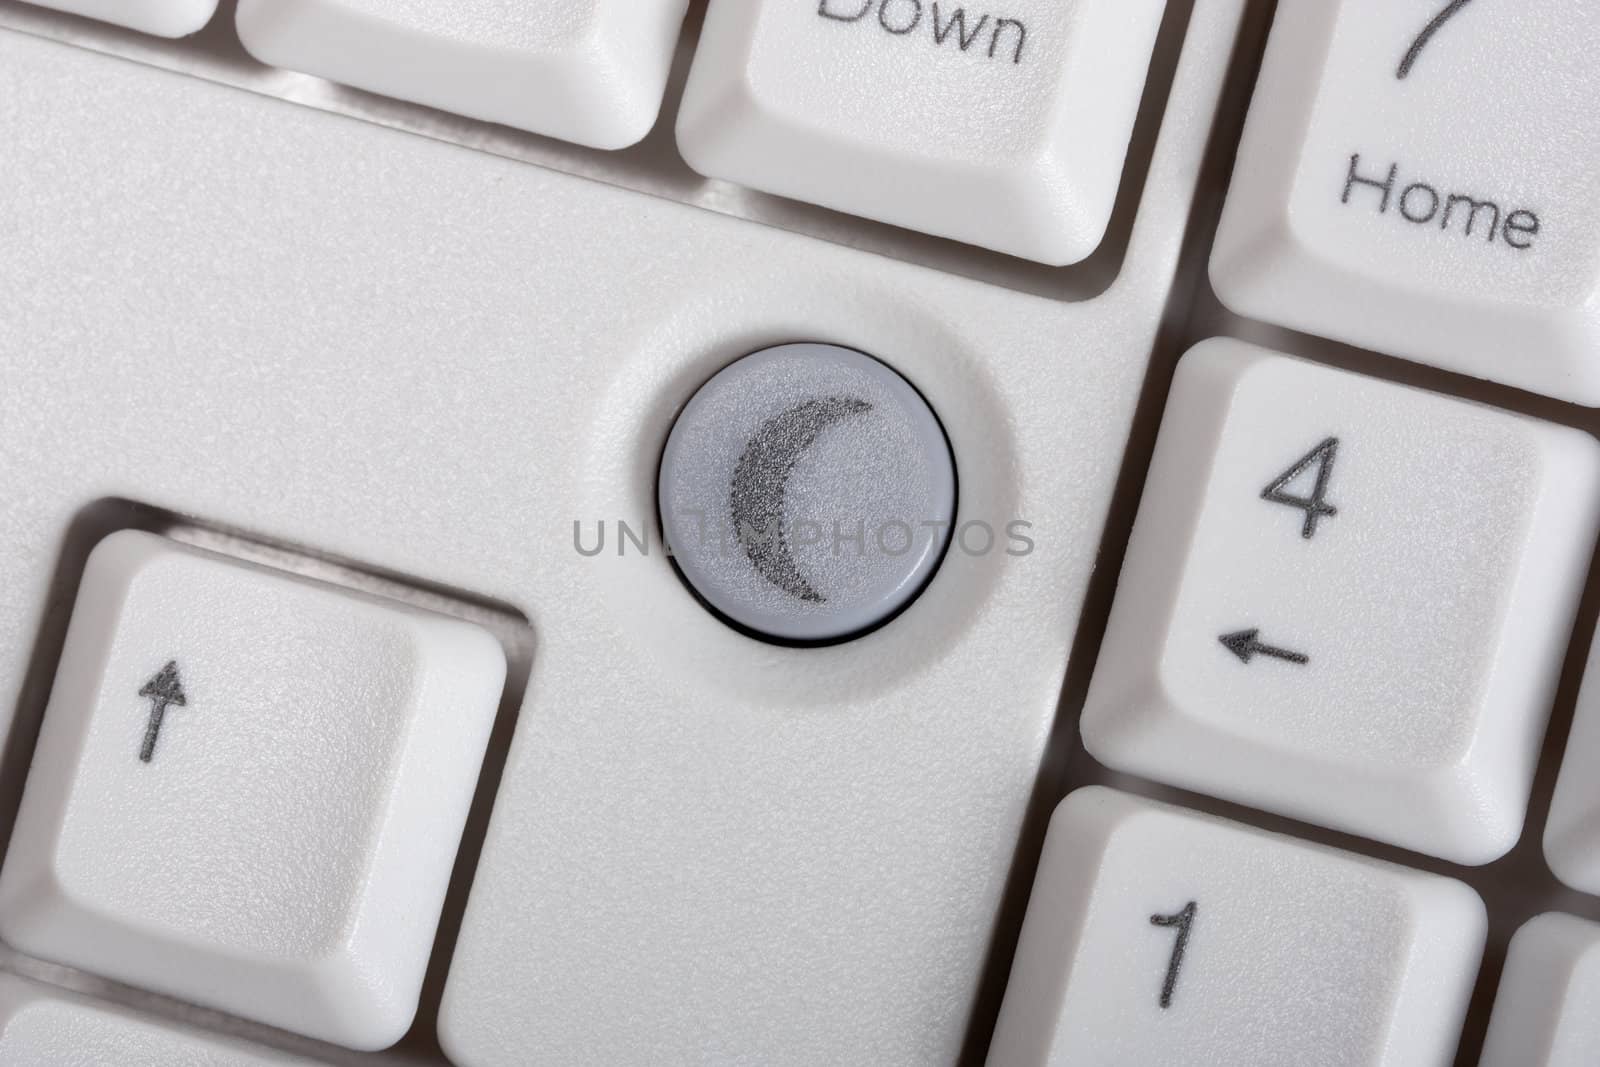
x=1184 y=921
x=1316 y=505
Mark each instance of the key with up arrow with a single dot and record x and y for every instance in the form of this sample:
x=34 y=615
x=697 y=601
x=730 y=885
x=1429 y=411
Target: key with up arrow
x=289 y=861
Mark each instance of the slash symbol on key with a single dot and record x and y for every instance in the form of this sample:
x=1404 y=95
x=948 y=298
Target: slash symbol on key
x=1246 y=644
x=164 y=689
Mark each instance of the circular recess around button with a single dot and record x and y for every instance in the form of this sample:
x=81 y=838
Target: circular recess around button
x=807 y=493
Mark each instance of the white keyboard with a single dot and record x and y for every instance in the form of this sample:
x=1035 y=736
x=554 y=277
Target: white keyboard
x=799 y=532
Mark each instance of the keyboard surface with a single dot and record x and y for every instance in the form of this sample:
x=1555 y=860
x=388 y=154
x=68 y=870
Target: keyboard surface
x=357 y=713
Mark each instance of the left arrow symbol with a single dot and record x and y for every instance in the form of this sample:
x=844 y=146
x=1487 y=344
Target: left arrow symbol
x=1247 y=644
x=164 y=690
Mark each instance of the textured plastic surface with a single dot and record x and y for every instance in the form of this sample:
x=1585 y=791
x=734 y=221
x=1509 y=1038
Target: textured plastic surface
x=1572 y=834
x=808 y=492
x=587 y=71
x=164 y=18
x=1547 y=1013
x=434 y=361
x=1471 y=237
x=280 y=848
x=1380 y=657
x=45 y=1027
x=1291 y=953
x=1005 y=130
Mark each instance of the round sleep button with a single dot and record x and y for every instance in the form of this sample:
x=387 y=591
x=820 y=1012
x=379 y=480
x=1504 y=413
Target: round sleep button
x=807 y=493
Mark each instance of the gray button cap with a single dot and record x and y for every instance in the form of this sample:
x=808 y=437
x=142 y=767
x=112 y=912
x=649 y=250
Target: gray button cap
x=807 y=492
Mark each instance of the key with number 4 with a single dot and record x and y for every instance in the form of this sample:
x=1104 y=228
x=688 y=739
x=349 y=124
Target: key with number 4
x=1346 y=601
x=1157 y=936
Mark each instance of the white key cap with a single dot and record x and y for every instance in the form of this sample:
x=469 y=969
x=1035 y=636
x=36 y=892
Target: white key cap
x=164 y=18
x=588 y=71
x=45 y=1027
x=278 y=842
x=1547 y=1013
x=1572 y=832
x=1004 y=127
x=1347 y=601
x=1158 y=936
x=1449 y=215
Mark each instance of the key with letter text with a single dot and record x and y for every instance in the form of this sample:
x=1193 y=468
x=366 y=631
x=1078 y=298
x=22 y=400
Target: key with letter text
x=1001 y=125
x=1419 y=178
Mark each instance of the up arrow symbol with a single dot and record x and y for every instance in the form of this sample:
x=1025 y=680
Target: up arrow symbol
x=164 y=689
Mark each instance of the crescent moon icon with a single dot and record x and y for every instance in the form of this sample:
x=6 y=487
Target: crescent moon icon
x=761 y=483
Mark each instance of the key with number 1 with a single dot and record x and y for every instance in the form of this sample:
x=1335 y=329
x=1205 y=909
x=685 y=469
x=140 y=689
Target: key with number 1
x=1157 y=936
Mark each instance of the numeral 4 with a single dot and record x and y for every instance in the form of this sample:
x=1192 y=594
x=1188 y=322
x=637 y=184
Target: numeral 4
x=1316 y=505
